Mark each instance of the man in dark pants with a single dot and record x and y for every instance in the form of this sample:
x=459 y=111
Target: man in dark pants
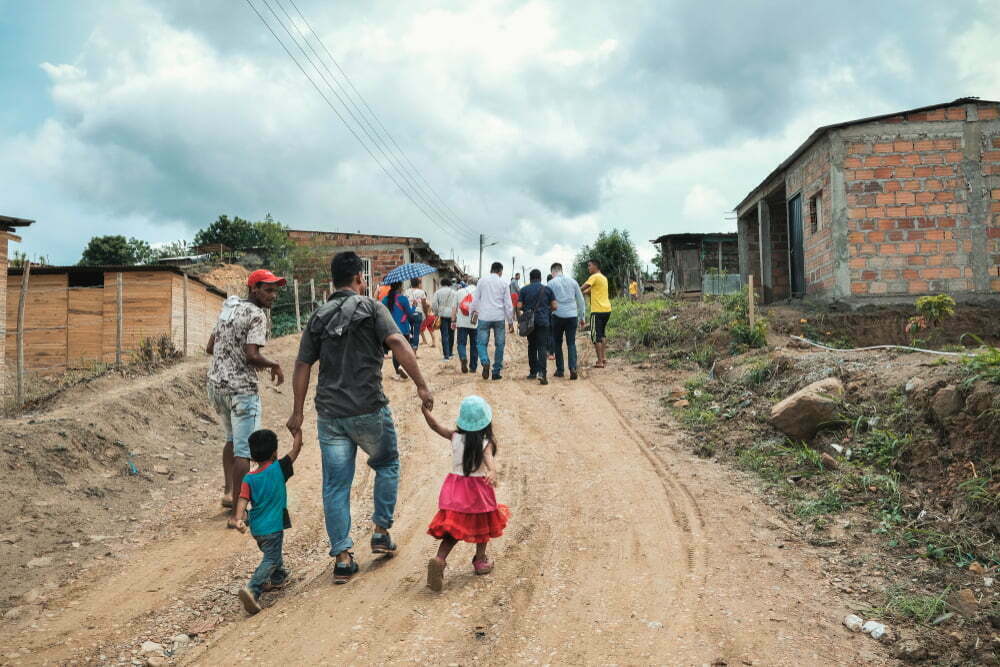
x=571 y=311
x=538 y=299
x=443 y=304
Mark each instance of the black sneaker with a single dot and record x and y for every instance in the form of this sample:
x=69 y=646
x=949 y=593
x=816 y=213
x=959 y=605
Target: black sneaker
x=572 y=375
x=465 y=366
x=532 y=376
x=382 y=544
x=342 y=572
x=557 y=374
x=496 y=376
x=542 y=380
x=486 y=373
x=277 y=583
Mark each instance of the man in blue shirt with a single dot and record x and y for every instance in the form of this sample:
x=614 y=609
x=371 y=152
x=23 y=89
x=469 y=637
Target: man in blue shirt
x=538 y=298
x=570 y=312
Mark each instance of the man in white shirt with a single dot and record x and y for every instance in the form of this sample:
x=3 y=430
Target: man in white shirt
x=464 y=325
x=443 y=305
x=492 y=306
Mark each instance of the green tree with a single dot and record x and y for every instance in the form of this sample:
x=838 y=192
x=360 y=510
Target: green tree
x=267 y=237
x=116 y=250
x=617 y=256
x=172 y=249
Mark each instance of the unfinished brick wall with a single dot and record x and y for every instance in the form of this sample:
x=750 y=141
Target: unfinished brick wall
x=909 y=224
x=990 y=165
x=385 y=252
x=780 y=278
x=809 y=176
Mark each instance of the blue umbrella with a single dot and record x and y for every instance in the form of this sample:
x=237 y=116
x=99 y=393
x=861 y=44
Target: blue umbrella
x=407 y=272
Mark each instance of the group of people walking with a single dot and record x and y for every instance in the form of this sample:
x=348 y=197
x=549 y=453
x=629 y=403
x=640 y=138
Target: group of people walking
x=349 y=336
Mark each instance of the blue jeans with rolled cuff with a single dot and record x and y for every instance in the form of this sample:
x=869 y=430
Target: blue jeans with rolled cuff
x=272 y=566
x=499 y=330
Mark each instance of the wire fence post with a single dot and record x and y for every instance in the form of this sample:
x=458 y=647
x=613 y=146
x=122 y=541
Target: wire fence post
x=185 y=314
x=298 y=315
x=312 y=294
x=750 y=297
x=119 y=316
x=20 y=333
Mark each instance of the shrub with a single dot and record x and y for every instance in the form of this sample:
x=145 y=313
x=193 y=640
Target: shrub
x=641 y=324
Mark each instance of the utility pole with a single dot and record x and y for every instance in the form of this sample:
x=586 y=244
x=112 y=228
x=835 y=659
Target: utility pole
x=483 y=244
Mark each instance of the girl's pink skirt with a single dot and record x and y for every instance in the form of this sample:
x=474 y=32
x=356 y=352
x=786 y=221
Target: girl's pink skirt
x=468 y=511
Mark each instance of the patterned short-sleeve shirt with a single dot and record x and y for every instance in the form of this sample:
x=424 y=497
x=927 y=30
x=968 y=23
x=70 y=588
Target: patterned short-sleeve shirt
x=230 y=372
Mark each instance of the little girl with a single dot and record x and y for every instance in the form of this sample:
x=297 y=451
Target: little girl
x=467 y=507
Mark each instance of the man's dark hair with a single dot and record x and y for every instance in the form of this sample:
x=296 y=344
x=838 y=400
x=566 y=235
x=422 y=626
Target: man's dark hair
x=555 y=267
x=595 y=263
x=535 y=274
x=446 y=282
x=344 y=266
x=263 y=445
x=496 y=267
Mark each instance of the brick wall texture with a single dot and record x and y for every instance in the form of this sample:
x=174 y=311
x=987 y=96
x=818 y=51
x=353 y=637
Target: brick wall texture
x=910 y=204
x=385 y=252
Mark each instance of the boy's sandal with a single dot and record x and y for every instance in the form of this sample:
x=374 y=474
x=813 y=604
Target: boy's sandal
x=482 y=566
x=272 y=586
x=342 y=572
x=435 y=574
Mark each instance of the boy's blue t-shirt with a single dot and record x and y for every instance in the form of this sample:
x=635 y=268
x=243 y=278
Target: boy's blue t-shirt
x=265 y=489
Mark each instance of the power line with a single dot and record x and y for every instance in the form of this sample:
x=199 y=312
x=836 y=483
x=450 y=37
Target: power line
x=341 y=117
x=378 y=121
x=362 y=122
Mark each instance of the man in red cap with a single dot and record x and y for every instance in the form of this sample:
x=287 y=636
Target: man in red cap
x=235 y=344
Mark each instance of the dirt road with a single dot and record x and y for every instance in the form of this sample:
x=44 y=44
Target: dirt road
x=622 y=549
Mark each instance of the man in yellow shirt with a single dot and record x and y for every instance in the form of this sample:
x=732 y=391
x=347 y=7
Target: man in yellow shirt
x=633 y=290
x=600 y=308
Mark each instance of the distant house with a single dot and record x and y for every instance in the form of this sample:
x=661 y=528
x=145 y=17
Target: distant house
x=381 y=254
x=700 y=263
x=8 y=225
x=71 y=315
x=886 y=207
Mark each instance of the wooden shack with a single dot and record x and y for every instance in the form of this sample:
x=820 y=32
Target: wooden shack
x=71 y=313
x=699 y=263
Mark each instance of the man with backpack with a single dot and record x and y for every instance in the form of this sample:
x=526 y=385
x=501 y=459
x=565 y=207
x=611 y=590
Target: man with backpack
x=464 y=324
x=536 y=303
x=348 y=335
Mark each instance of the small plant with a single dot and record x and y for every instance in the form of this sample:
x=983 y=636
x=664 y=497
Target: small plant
x=882 y=447
x=931 y=312
x=703 y=355
x=978 y=493
x=829 y=502
x=759 y=373
x=985 y=365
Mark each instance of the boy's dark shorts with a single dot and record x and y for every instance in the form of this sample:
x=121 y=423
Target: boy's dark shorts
x=598 y=323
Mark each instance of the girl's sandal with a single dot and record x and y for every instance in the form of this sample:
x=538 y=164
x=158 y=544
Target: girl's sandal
x=482 y=566
x=435 y=574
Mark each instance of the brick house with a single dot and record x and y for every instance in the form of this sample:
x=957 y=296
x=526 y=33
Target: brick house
x=7 y=226
x=381 y=254
x=689 y=259
x=882 y=208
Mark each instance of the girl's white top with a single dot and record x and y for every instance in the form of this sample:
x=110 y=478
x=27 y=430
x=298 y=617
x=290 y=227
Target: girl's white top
x=458 y=450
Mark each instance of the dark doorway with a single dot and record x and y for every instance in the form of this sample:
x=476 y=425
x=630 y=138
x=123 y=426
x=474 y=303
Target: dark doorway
x=796 y=246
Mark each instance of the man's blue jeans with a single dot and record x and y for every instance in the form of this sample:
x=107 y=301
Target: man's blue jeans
x=339 y=439
x=447 y=337
x=415 y=324
x=483 y=330
x=564 y=326
x=468 y=336
x=272 y=567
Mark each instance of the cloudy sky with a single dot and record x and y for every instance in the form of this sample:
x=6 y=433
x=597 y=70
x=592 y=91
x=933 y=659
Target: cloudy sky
x=537 y=123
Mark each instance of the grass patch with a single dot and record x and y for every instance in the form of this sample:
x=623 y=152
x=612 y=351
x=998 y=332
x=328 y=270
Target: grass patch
x=985 y=365
x=644 y=323
x=901 y=604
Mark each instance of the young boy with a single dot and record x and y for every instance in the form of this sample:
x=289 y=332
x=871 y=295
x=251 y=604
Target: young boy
x=264 y=490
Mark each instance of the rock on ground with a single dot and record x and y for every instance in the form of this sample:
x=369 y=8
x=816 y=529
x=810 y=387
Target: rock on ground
x=800 y=415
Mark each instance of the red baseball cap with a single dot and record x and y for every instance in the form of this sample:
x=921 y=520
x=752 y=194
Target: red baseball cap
x=264 y=276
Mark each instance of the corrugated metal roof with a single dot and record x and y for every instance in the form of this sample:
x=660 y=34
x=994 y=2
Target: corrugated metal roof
x=819 y=132
x=719 y=236
x=8 y=222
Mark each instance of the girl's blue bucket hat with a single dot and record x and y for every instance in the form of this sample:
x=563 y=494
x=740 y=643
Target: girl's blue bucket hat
x=474 y=414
